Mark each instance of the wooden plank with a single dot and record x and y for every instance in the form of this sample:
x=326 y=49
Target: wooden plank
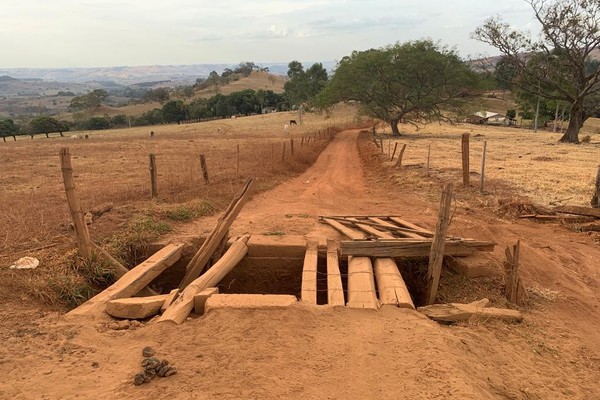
x=465 y=158
x=417 y=229
x=371 y=230
x=133 y=281
x=577 y=210
x=396 y=228
x=399 y=248
x=351 y=233
x=135 y=307
x=170 y=299
x=387 y=226
x=361 y=284
x=514 y=289
x=197 y=263
x=391 y=286
x=436 y=255
x=309 y=273
x=335 y=290
x=183 y=305
x=455 y=312
x=201 y=298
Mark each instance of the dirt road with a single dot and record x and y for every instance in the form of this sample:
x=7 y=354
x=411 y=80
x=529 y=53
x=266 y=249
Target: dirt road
x=321 y=353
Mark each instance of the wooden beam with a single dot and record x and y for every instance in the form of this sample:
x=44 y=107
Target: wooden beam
x=183 y=305
x=201 y=298
x=81 y=231
x=404 y=248
x=577 y=210
x=455 y=312
x=410 y=225
x=309 y=273
x=197 y=263
x=361 y=284
x=371 y=230
x=391 y=286
x=396 y=228
x=170 y=299
x=465 y=158
x=133 y=281
x=135 y=307
x=335 y=290
x=369 y=221
x=436 y=254
x=351 y=233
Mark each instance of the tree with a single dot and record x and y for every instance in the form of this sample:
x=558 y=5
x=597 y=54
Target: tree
x=46 y=125
x=556 y=66
x=8 y=128
x=174 y=111
x=303 y=86
x=411 y=82
x=505 y=73
x=160 y=95
x=88 y=101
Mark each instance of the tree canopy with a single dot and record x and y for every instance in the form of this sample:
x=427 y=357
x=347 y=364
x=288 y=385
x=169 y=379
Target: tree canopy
x=412 y=82
x=88 y=101
x=303 y=86
x=557 y=65
x=45 y=124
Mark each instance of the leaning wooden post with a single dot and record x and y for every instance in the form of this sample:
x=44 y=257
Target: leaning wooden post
x=237 y=160
x=483 y=167
x=204 y=168
x=153 y=176
x=381 y=145
x=394 y=152
x=400 y=155
x=438 y=245
x=596 y=197
x=84 y=245
x=465 y=158
x=292 y=147
x=515 y=291
x=428 y=158
x=283 y=153
x=389 y=149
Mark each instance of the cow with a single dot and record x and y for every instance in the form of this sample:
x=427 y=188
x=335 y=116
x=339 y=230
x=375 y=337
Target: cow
x=293 y=122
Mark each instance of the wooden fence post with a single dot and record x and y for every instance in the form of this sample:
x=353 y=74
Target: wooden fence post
x=389 y=149
x=428 y=158
x=153 y=176
x=394 y=152
x=438 y=245
x=204 y=169
x=237 y=161
x=272 y=154
x=465 y=158
x=483 y=167
x=381 y=145
x=515 y=291
x=84 y=245
x=292 y=147
x=596 y=196
x=283 y=153
x=400 y=155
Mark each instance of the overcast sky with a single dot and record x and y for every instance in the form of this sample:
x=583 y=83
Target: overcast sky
x=87 y=33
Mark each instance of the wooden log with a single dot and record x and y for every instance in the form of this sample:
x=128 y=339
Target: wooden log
x=135 y=307
x=133 y=281
x=201 y=298
x=153 y=176
x=249 y=301
x=84 y=246
x=514 y=289
x=361 y=284
x=590 y=228
x=577 y=210
x=398 y=248
x=455 y=312
x=436 y=255
x=565 y=218
x=335 y=290
x=119 y=269
x=309 y=273
x=482 y=180
x=197 y=263
x=400 y=155
x=183 y=305
x=371 y=230
x=465 y=158
x=351 y=233
x=391 y=286
x=170 y=299
x=204 y=169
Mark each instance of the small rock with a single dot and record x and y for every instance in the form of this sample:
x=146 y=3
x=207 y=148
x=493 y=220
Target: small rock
x=139 y=378
x=148 y=351
x=150 y=362
x=95 y=364
x=170 y=371
x=151 y=372
x=119 y=325
x=161 y=365
x=133 y=324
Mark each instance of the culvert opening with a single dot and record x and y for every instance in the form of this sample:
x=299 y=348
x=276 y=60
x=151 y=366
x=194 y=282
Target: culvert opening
x=283 y=275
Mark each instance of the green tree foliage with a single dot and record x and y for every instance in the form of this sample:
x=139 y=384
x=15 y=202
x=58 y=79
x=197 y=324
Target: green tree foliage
x=505 y=73
x=174 y=111
x=97 y=123
x=411 y=82
x=46 y=125
x=303 y=86
x=159 y=94
x=557 y=66
x=88 y=101
x=8 y=128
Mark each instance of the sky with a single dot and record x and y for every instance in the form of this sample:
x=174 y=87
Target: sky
x=101 y=33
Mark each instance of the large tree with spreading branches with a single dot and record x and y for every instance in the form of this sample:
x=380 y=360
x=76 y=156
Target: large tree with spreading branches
x=559 y=64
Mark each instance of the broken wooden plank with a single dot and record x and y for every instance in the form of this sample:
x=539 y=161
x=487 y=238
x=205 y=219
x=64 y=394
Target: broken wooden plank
x=391 y=286
x=436 y=255
x=335 y=290
x=407 y=232
x=455 y=312
x=398 y=230
x=578 y=210
x=183 y=305
x=566 y=218
x=309 y=273
x=133 y=281
x=361 y=284
x=515 y=291
x=398 y=248
x=170 y=299
x=211 y=243
x=410 y=225
x=201 y=298
x=351 y=233
x=135 y=307
x=370 y=229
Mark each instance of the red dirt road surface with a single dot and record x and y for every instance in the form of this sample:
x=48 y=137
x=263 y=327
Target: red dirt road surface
x=317 y=352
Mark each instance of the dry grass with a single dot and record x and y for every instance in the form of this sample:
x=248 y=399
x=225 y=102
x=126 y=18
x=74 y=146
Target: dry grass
x=519 y=163
x=256 y=80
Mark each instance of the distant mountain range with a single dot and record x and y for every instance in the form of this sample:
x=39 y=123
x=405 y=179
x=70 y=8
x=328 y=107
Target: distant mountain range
x=122 y=75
